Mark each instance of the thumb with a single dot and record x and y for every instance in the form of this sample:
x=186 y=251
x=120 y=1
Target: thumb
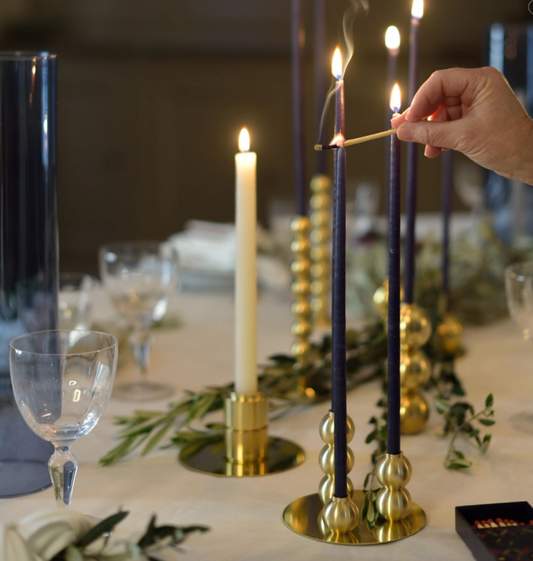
x=432 y=133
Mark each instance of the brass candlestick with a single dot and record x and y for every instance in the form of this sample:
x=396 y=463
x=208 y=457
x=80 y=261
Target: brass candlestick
x=245 y=449
x=301 y=287
x=402 y=517
x=320 y=255
x=415 y=369
x=326 y=518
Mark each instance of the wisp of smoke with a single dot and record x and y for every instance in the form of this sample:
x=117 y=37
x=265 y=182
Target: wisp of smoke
x=355 y=7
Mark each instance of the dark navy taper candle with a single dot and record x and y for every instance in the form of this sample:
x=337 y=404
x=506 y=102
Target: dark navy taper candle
x=338 y=321
x=447 y=159
x=392 y=42
x=29 y=253
x=393 y=359
x=412 y=171
x=297 y=51
x=320 y=77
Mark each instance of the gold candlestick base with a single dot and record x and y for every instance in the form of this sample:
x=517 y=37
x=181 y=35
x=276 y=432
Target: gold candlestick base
x=245 y=450
x=303 y=516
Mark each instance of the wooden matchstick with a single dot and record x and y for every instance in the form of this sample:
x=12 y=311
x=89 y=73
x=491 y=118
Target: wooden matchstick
x=359 y=140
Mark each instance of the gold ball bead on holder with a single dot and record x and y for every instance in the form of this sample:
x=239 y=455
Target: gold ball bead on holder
x=393 y=501
x=414 y=412
x=415 y=368
x=326 y=458
x=320 y=252
x=450 y=334
x=415 y=327
x=340 y=515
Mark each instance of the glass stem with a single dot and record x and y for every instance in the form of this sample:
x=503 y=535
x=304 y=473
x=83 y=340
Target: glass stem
x=141 y=341
x=63 y=468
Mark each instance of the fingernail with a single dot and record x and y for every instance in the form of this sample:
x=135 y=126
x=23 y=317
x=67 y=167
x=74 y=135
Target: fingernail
x=405 y=132
x=426 y=149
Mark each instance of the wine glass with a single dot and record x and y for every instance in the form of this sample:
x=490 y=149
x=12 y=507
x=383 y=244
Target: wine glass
x=75 y=300
x=519 y=289
x=140 y=277
x=62 y=381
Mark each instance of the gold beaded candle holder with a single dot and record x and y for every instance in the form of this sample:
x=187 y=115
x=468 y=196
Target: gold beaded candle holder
x=415 y=369
x=320 y=255
x=245 y=449
x=327 y=518
x=301 y=287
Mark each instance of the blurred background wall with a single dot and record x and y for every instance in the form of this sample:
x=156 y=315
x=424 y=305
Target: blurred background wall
x=153 y=93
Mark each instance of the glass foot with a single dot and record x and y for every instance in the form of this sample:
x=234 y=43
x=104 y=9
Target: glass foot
x=142 y=391
x=523 y=421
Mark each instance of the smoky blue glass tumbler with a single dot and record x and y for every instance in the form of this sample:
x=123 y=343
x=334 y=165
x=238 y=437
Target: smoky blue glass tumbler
x=28 y=246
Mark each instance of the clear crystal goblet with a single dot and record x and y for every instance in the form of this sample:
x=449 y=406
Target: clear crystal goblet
x=519 y=290
x=140 y=278
x=62 y=381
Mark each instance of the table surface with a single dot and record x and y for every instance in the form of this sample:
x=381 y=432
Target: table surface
x=245 y=514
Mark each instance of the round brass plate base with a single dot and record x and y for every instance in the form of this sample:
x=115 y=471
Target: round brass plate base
x=210 y=458
x=302 y=517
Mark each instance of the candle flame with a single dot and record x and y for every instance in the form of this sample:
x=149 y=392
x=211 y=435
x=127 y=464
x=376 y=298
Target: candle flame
x=417 y=10
x=337 y=140
x=392 y=38
x=396 y=99
x=244 y=140
x=336 y=64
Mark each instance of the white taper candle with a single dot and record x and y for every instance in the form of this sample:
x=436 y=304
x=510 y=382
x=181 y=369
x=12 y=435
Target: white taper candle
x=245 y=270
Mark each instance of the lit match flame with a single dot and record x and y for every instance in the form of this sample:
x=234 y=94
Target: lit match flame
x=336 y=64
x=396 y=99
x=244 y=140
x=417 y=10
x=392 y=38
x=337 y=140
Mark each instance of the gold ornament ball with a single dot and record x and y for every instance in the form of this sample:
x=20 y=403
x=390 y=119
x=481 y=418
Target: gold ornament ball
x=326 y=460
x=415 y=368
x=381 y=299
x=415 y=327
x=394 y=504
x=450 y=334
x=394 y=470
x=301 y=288
x=326 y=488
x=300 y=350
x=300 y=225
x=301 y=267
x=340 y=515
x=320 y=253
x=320 y=183
x=414 y=413
x=327 y=428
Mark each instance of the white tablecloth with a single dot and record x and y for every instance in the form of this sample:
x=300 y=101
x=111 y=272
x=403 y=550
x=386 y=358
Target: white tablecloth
x=245 y=514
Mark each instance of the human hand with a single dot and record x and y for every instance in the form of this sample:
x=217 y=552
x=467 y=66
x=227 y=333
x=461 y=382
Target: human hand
x=473 y=111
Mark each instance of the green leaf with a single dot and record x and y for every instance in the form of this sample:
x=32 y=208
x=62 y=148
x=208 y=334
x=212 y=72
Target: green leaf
x=487 y=422
x=457 y=464
x=459 y=454
x=158 y=436
x=486 y=442
x=442 y=406
x=489 y=402
x=104 y=527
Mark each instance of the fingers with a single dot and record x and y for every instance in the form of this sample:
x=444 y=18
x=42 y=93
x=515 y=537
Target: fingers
x=432 y=134
x=449 y=87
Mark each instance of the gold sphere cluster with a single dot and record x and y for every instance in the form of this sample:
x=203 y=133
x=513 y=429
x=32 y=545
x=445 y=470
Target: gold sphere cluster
x=415 y=368
x=393 y=501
